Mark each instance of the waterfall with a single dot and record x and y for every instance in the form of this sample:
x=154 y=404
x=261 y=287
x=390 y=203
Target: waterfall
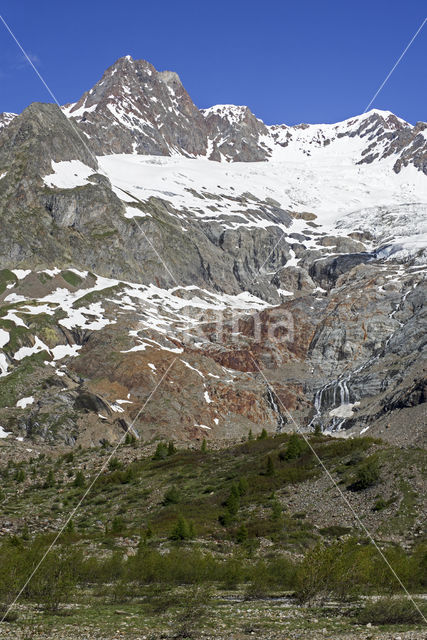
x=333 y=397
x=272 y=401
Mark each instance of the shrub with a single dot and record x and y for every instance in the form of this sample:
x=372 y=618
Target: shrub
x=341 y=570
x=395 y=610
x=232 y=573
x=379 y=505
x=172 y=496
x=260 y=581
x=335 y=531
x=346 y=569
x=193 y=607
x=366 y=476
x=55 y=579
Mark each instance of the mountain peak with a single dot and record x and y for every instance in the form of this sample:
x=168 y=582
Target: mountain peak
x=134 y=108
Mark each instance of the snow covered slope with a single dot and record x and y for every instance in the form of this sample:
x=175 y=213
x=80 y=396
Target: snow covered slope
x=340 y=201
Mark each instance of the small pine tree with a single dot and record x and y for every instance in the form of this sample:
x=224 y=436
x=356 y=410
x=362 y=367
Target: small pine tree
x=25 y=535
x=318 y=430
x=114 y=464
x=270 y=470
x=130 y=438
x=20 y=475
x=79 y=480
x=233 y=500
x=242 y=534
x=70 y=527
x=204 y=447
x=161 y=451
x=263 y=435
x=250 y=435
x=242 y=486
x=117 y=524
x=50 y=479
x=296 y=447
x=276 y=509
x=171 y=448
x=183 y=530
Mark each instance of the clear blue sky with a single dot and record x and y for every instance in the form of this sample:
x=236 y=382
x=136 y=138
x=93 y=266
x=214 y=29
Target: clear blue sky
x=299 y=61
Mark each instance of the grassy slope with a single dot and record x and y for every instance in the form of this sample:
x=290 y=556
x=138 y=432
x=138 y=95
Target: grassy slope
x=132 y=489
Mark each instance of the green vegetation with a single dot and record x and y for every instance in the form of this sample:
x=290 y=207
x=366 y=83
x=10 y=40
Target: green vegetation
x=367 y=475
x=6 y=277
x=162 y=527
x=71 y=278
x=391 y=610
x=346 y=569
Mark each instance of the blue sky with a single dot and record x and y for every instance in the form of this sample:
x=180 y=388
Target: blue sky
x=304 y=61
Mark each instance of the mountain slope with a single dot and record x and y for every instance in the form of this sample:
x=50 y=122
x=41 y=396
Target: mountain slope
x=275 y=270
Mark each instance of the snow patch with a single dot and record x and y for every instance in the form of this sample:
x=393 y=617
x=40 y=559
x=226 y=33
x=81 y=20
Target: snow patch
x=68 y=174
x=25 y=402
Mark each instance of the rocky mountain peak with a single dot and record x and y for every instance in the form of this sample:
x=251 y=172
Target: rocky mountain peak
x=136 y=109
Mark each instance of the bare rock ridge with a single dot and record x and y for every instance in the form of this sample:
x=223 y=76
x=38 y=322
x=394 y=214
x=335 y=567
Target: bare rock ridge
x=139 y=232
